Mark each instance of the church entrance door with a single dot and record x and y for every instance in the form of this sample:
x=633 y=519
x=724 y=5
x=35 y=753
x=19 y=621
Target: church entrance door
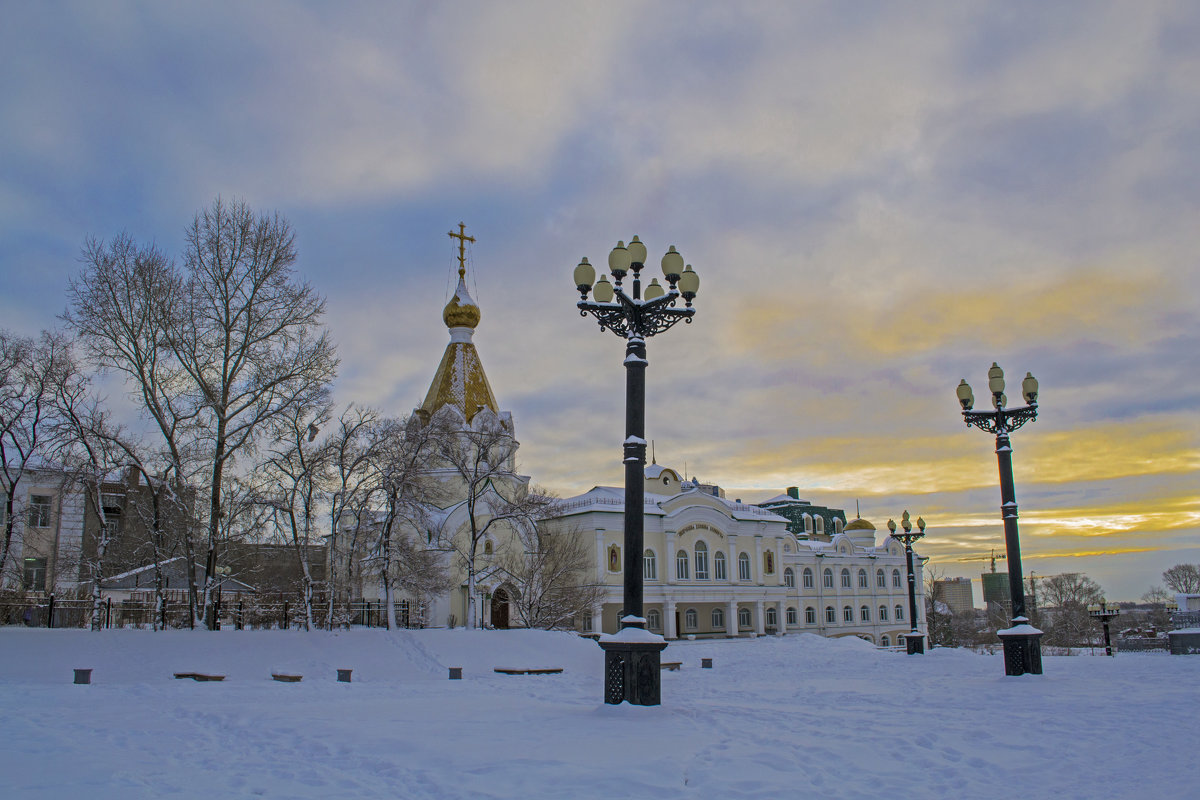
x=500 y=609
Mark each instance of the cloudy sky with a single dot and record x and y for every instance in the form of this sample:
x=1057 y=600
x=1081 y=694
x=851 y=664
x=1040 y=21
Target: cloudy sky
x=880 y=199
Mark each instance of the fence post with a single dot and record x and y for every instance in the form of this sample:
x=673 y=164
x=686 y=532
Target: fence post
x=241 y=623
x=50 y=613
x=285 y=615
x=108 y=613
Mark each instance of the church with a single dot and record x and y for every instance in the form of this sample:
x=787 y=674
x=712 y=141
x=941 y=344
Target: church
x=711 y=567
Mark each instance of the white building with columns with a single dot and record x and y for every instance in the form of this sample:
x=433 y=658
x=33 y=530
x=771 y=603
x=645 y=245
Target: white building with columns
x=714 y=567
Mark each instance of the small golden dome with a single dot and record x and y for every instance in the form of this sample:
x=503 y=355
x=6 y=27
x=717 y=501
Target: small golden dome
x=859 y=525
x=461 y=311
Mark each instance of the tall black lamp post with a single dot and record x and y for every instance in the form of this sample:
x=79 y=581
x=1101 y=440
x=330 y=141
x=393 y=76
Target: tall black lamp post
x=1104 y=612
x=631 y=656
x=915 y=639
x=1022 y=642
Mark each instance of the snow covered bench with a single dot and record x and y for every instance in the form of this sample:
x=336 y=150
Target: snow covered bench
x=528 y=671
x=673 y=666
x=199 y=676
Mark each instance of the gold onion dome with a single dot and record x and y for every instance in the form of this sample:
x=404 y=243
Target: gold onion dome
x=461 y=311
x=859 y=524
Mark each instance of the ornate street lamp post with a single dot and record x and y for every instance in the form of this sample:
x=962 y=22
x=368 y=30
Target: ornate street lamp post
x=915 y=639
x=631 y=656
x=1022 y=642
x=1105 y=612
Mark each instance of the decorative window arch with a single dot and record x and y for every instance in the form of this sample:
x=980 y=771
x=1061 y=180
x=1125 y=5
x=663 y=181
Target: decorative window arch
x=743 y=567
x=718 y=619
x=807 y=578
x=789 y=577
x=787 y=547
x=845 y=578
x=744 y=620
x=791 y=617
x=701 y=561
x=862 y=579
x=810 y=616
x=772 y=617
x=847 y=614
x=883 y=614
x=654 y=620
x=819 y=524
x=880 y=579
x=808 y=524
x=899 y=613
x=884 y=641
x=827 y=578
x=896 y=578
x=691 y=620
x=681 y=565
x=830 y=614
x=649 y=565
x=837 y=524
x=864 y=614
x=719 y=571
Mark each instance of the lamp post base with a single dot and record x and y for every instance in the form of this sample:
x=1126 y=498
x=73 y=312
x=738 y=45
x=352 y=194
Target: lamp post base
x=1022 y=648
x=632 y=670
x=915 y=642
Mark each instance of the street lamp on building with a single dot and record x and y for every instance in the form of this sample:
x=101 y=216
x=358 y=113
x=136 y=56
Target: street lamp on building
x=631 y=656
x=915 y=639
x=1022 y=642
x=1104 y=612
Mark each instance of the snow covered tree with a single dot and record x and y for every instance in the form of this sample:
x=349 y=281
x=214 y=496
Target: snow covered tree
x=554 y=575
x=347 y=491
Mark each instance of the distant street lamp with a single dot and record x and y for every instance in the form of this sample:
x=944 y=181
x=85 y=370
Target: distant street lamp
x=915 y=639
x=1104 y=612
x=631 y=656
x=1022 y=642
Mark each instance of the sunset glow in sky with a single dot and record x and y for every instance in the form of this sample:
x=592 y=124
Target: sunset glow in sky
x=880 y=199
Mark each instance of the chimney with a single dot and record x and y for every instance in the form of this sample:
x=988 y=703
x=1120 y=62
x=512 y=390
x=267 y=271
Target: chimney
x=793 y=492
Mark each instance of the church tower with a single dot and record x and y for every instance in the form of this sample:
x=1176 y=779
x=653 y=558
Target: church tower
x=460 y=381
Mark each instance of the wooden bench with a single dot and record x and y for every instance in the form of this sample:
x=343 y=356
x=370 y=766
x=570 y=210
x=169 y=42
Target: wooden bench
x=285 y=678
x=671 y=665
x=532 y=671
x=199 y=676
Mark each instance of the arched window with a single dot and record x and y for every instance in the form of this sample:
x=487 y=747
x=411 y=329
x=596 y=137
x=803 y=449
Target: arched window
x=649 y=566
x=837 y=524
x=701 y=561
x=899 y=613
x=880 y=579
x=653 y=619
x=830 y=614
x=743 y=567
x=810 y=616
x=789 y=577
x=744 y=618
x=883 y=613
x=845 y=579
x=808 y=525
x=691 y=619
x=791 y=616
x=884 y=641
x=587 y=621
x=819 y=523
x=681 y=565
x=896 y=578
x=862 y=579
x=719 y=571
x=772 y=617
x=864 y=614
x=827 y=578
x=807 y=578
x=847 y=614
x=718 y=619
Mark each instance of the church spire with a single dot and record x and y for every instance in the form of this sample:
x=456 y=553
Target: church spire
x=460 y=380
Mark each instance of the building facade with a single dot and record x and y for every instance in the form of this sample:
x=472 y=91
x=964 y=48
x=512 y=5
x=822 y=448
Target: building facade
x=956 y=593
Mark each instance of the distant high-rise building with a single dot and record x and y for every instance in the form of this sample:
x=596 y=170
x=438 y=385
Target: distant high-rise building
x=995 y=591
x=956 y=593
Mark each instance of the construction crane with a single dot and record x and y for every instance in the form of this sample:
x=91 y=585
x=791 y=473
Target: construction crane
x=993 y=558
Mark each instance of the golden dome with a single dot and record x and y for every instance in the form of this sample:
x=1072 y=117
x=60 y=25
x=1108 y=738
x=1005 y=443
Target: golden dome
x=461 y=311
x=859 y=524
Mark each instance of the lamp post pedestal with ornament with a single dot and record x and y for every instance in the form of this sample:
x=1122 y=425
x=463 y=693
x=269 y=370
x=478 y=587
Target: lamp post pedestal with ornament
x=631 y=655
x=1022 y=642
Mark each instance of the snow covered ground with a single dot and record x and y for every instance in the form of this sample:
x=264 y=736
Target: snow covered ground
x=794 y=717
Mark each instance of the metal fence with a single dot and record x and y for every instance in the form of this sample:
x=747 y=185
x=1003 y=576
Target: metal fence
x=1143 y=644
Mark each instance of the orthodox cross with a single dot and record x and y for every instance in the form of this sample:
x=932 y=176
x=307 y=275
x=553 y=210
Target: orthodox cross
x=462 y=245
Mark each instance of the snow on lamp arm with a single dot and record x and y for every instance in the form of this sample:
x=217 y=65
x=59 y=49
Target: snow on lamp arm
x=631 y=670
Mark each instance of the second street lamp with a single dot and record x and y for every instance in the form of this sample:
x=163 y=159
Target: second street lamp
x=915 y=639
x=631 y=655
x=1104 y=612
x=1022 y=642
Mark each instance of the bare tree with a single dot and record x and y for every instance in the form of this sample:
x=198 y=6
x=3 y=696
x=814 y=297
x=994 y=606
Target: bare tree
x=480 y=458
x=31 y=371
x=347 y=491
x=216 y=349
x=1070 y=594
x=1183 y=578
x=554 y=575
